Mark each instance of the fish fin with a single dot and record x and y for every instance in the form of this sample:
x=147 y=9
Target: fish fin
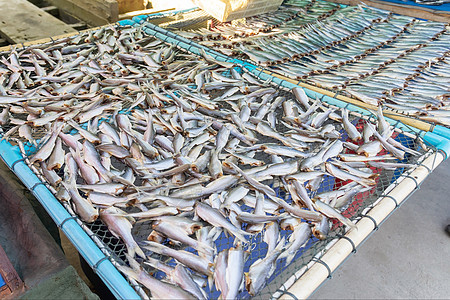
x=272 y=269
x=237 y=233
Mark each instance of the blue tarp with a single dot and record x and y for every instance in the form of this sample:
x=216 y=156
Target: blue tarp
x=2 y=281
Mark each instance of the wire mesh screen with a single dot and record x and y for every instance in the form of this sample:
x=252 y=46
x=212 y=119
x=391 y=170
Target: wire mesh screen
x=256 y=247
x=328 y=189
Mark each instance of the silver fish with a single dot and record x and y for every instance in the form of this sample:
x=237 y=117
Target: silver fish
x=120 y=226
x=189 y=259
x=259 y=271
x=299 y=237
x=215 y=218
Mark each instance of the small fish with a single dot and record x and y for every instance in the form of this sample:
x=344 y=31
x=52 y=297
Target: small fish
x=45 y=151
x=25 y=132
x=83 y=207
x=114 y=150
x=157 y=288
x=56 y=160
x=259 y=271
x=108 y=188
x=120 y=226
x=299 y=237
x=343 y=175
x=349 y=127
x=215 y=218
x=189 y=259
x=173 y=232
x=332 y=213
x=234 y=272
x=400 y=154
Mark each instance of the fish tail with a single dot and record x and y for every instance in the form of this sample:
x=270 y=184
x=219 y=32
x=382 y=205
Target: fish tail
x=210 y=282
x=283 y=254
x=289 y=257
x=137 y=250
x=368 y=182
x=154 y=247
x=348 y=223
x=239 y=235
x=129 y=272
x=133 y=263
x=204 y=247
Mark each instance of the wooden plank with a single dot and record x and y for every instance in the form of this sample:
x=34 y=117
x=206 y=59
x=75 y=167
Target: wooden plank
x=21 y=21
x=402 y=9
x=49 y=39
x=131 y=5
x=132 y=14
x=93 y=12
x=4 y=292
x=79 y=26
x=53 y=10
x=9 y=274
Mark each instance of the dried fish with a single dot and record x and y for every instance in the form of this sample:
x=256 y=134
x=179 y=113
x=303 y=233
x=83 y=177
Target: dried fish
x=191 y=148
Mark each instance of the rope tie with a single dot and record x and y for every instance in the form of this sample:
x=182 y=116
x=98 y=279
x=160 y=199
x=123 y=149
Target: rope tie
x=349 y=240
x=36 y=184
x=16 y=162
x=65 y=220
x=413 y=179
x=373 y=220
x=393 y=199
x=95 y=266
x=324 y=264
x=285 y=292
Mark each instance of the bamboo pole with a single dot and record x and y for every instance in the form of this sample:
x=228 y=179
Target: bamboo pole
x=313 y=277
x=387 y=113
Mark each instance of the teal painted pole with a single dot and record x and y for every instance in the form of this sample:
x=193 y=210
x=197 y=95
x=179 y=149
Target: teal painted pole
x=85 y=245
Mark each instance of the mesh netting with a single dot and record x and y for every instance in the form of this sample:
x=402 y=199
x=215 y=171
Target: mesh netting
x=255 y=247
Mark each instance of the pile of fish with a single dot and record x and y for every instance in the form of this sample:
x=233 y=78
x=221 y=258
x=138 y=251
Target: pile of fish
x=226 y=36
x=130 y=130
x=363 y=52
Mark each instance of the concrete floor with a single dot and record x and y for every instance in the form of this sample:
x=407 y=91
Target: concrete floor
x=408 y=257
